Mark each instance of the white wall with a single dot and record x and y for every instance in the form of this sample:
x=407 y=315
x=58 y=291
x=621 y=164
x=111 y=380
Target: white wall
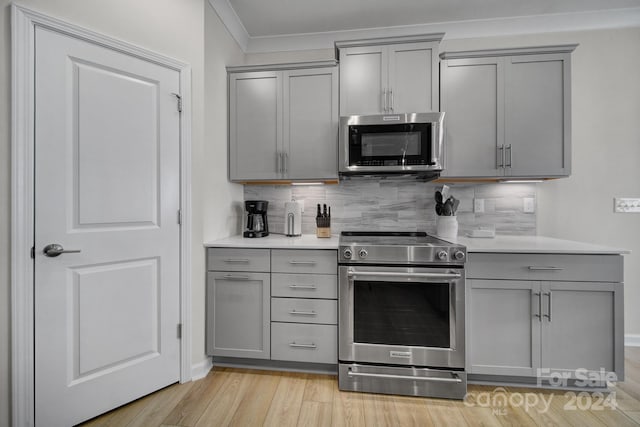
x=173 y=28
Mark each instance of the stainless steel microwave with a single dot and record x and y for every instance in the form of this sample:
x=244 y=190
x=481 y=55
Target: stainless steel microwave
x=392 y=144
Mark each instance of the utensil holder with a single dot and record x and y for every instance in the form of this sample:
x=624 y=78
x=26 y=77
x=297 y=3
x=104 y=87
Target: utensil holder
x=323 y=232
x=447 y=226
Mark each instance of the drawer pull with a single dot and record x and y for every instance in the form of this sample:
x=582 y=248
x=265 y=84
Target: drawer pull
x=294 y=345
x=454 y=378
x=235 y=277
x=237 y=260
x=541 y=268
x=303 y=287
x=303 y=313
x=302 y=262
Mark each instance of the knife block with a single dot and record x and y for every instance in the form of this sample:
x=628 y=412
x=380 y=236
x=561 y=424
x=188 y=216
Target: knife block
x=323 y=232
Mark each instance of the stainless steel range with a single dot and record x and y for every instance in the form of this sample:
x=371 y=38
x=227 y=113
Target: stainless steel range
x=401 y=314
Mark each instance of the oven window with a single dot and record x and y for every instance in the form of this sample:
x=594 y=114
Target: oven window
x=401 y=313
x=391 y=144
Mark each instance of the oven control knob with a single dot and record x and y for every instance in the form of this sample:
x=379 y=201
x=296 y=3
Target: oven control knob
x=459 y=255
x=347 y=253
x=363 y=253
x=442 y=255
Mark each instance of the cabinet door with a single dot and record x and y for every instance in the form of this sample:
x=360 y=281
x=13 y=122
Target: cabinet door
x=583 y=327
x=238 y=314
x=363 y=80
x=255 y=125
x=538 y=108
x=473 y=101
x=413 y=77
x=503 y=327
x=311 y=123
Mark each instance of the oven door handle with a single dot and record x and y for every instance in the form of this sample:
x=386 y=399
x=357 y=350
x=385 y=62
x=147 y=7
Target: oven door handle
x=455 y=378
x=385 y=274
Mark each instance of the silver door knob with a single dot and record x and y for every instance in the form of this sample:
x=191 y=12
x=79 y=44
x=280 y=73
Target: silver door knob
x=54 y=249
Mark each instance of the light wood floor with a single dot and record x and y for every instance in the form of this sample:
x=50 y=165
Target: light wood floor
x=243 y=397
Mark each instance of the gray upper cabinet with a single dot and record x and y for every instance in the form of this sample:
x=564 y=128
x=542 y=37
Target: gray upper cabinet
x=508 y=112
x=395 y=75
x=283 y=123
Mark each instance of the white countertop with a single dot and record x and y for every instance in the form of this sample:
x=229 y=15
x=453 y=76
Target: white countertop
x=534 y=245
x=276 y=241
x=498 y=244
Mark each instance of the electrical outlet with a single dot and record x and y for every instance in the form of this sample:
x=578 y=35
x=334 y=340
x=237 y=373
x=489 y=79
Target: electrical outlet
x=626 y=204
x=529 y=205
x=478 y=205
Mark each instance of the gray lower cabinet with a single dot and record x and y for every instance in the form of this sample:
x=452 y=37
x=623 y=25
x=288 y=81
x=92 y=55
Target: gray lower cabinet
x=524 y=322
x=304 y=306
x=508 y=112
x=238 y=314
x=272 y=304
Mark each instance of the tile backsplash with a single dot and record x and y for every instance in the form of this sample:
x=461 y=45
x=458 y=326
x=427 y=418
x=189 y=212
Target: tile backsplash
x=400 y=204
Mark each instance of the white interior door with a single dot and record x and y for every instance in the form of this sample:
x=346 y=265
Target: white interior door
x=107 y=184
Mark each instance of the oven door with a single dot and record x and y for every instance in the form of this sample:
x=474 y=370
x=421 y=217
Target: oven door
x=402 y=316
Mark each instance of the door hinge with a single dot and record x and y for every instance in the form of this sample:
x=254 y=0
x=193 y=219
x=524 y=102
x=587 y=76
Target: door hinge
x=33 y=252
x=179 y=99
x=179 y=216
x=179 y=330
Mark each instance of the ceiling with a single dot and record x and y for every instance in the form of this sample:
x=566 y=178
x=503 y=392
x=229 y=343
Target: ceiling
x=279 y=17
x=260 y=25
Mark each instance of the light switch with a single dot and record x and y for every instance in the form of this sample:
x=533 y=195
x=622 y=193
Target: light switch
x=529 y=205
x=478 y=205
x=626 y=204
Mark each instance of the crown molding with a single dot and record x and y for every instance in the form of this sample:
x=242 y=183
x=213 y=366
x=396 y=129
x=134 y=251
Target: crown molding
x=230 y=19
x=536 y=24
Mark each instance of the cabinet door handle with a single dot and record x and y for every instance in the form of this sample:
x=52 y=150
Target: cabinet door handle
x=500 y=153
x=302 y=313
x=237 y=260
x=278 y=158
x=285 y=163
x=544 y=268
x=548 y=315
x=235 y=277
x=510 y=156
x=539 y=313
x=295 y=345
x=391 y=100
x=302 y=262
x=384 y=101
x=302 y=287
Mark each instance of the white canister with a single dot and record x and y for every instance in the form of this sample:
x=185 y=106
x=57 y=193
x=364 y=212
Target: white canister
x=447 y=226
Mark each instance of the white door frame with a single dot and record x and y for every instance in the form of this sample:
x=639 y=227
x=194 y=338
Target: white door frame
x=24 y=23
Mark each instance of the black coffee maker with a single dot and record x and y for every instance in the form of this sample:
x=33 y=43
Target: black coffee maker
x=256 y=225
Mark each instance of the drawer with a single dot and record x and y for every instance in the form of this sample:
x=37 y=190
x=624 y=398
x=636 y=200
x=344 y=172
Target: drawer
x=304 y=310
x=548 y=267
x=304 y=285
x=304 y=343
x=228 y=259
x=304 y=261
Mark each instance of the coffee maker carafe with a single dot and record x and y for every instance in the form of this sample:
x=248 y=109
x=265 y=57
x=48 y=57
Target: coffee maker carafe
x=256 y=221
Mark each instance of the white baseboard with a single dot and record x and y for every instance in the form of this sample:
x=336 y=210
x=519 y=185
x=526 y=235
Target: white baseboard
x=632 y=340
x=200 y=370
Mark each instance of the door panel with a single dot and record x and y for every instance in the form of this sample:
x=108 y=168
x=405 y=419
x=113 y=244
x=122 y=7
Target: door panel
x=107 y=184
x=411 y=78
x=472 y=98
x=535 y=115
x=363 y=76
x=311 y=123
x=116 y=181
x=503 y=330
x=255 y=115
